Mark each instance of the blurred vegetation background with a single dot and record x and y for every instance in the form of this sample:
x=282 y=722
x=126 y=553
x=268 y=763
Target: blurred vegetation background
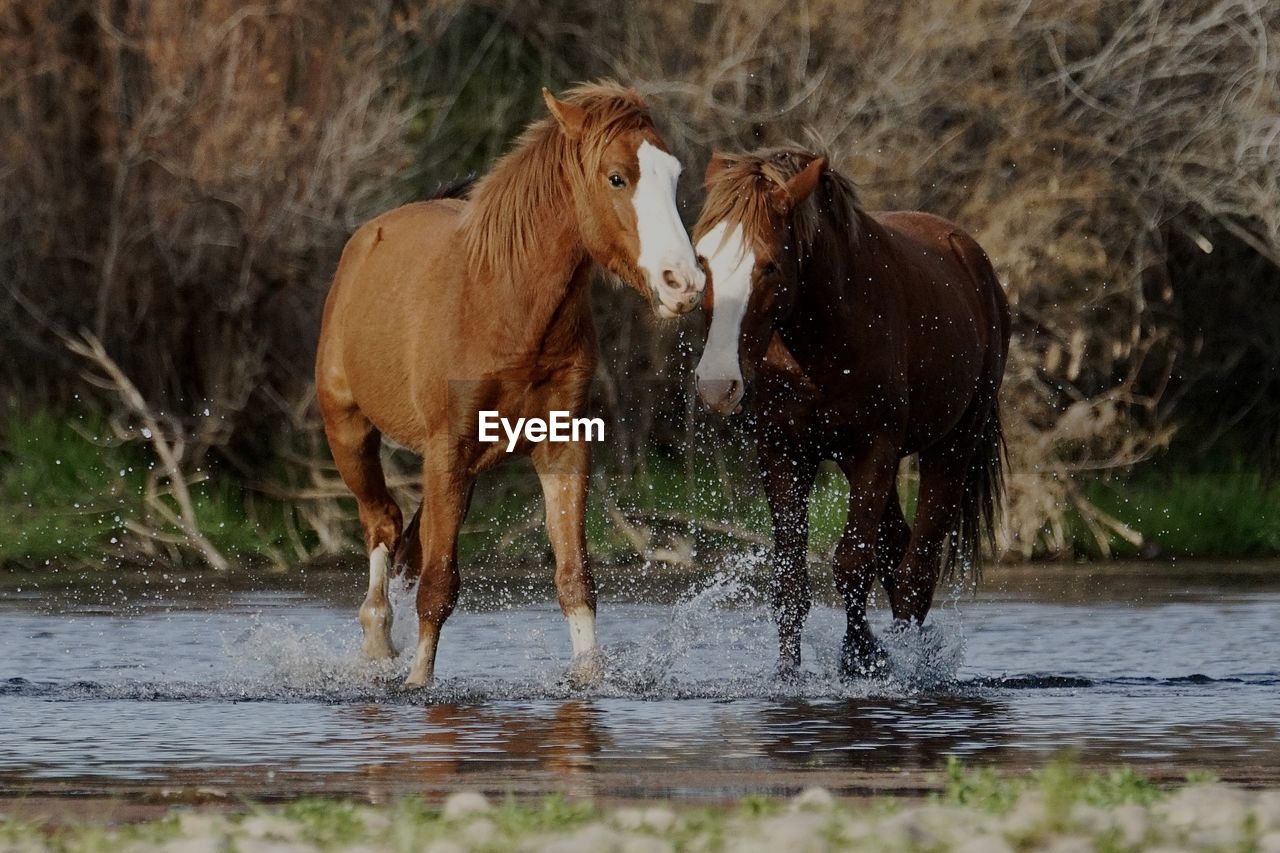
x=177 y=180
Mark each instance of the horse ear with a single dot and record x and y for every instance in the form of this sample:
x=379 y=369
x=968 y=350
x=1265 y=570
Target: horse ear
x=570 y=117
x=800 y=186
x=714 y=166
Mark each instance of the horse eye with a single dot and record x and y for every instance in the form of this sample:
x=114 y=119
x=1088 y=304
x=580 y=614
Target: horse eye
x=617 y=181
x=769 y=269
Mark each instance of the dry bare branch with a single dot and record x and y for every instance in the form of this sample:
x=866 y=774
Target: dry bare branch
x=167 y=448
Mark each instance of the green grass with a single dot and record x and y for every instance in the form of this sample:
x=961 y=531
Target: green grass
x=64 y=496
x=88 y=838
x=324 y=822
x=1228 y=513
x=553 y=814
x=980 y=787
x=1061 y=779
x=69 y=489
x=1231 y=513
x=1062 y=782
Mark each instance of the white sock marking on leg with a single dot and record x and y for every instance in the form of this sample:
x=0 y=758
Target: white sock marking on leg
x=582 y=629
x=378 y=559
x=375 y=612
x=424 y=662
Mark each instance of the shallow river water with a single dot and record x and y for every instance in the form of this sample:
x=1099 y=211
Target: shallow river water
x=263 y=693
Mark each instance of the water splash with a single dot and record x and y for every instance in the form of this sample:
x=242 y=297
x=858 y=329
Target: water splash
x=275 y=655
x=718 y=641
x=649 y=666
x=925 y=657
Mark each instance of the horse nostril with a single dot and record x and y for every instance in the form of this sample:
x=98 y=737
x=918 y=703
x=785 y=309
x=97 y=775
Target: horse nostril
x=719 y=395
x=680 y=284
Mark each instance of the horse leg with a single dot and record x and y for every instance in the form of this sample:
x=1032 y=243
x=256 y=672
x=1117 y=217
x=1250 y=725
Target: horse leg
x=788 y=480
x=942 y=479
x=564 y=471
x=891 y=540
x=408 y=555
x=355 y=443
x=871 y=485
x=445 y=494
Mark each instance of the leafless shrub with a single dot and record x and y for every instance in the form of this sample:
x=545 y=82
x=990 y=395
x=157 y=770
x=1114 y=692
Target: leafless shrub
x=169 y=443
x=179 y=179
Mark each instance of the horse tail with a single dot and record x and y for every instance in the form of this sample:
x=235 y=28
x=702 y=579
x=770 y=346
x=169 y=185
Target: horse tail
x=984 y=489
x=981 y=502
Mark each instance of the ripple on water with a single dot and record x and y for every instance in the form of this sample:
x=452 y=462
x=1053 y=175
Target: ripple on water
x=274 y=681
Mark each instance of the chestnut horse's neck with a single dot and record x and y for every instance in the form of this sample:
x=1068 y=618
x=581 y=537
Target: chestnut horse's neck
x=524 y=246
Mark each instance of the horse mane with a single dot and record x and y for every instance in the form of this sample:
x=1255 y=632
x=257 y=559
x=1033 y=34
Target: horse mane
x=501 y=222
x=740 y=192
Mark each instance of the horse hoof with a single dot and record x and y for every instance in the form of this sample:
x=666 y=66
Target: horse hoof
x=586 y=670
x=377 y=648
x=863 y=660
x=375 y=623
x=787 y=672
x=862 y=670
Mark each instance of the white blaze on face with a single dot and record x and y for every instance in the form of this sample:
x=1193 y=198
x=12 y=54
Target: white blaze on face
x=731 y=261
x=666 y=255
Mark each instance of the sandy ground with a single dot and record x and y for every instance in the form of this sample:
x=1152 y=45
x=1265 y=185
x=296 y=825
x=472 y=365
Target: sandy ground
x=978 y=814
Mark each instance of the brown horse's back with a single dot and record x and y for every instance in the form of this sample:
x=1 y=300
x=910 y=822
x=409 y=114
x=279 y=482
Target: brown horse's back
x=381 y=331
x=956 y=319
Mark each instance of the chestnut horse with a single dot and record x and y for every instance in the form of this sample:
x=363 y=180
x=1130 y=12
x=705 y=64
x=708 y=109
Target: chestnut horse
x=865 y=337
x=444 y=308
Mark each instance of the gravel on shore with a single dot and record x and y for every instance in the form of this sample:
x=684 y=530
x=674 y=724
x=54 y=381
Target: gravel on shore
x=980 y=816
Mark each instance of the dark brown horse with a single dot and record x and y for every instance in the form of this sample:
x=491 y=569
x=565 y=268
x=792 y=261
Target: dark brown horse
x=865 y=337
x=443 y=309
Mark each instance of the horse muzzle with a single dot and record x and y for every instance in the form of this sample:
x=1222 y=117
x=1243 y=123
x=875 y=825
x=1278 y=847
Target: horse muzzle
x=679 y=290
x=723 y=395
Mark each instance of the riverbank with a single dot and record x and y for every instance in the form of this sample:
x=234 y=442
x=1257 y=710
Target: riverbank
x=73 y=497
x=495 y=583
x=1058 y=808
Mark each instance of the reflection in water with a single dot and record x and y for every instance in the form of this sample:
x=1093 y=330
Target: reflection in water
x=563 y=737
x=875 y=734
